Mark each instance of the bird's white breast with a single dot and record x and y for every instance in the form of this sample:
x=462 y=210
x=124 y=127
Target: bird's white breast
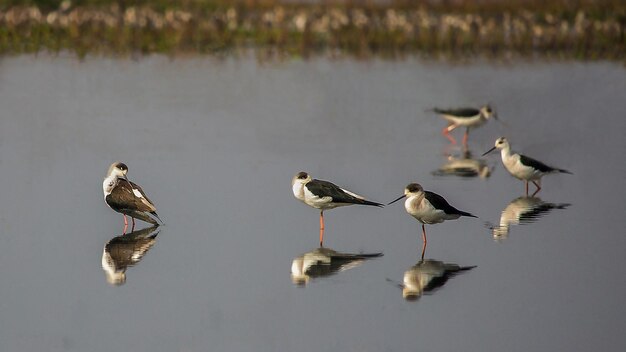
x=473 y=121
x=318 y=202
x=298 y=191
x=420 y=208
x=108 y=184
x=301 y=192
x=515 y=167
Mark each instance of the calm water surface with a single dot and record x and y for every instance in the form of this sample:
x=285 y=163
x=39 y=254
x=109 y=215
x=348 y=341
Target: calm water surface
x=215 y=145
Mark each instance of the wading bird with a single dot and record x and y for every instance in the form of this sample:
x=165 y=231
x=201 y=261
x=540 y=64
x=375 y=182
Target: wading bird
x=126 y=197
x=324 y=195
x=428 y=207
x=465 y=117
x=523 y=167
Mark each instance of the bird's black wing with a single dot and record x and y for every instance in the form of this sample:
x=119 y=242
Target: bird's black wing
x=460 y=112
x=322 y=188
x=535 y=164
x=123 y=197
x=136 y=186
x=440 y=203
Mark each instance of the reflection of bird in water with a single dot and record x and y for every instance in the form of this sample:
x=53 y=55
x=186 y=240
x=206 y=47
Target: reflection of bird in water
x=127 y=197
x=428 y=207
x=325 y=262
x=324 y=195
x=466 y=117
x=465 y=166
x=522 y=167
x=523 y=210
x=427 y=276
x=124 y=251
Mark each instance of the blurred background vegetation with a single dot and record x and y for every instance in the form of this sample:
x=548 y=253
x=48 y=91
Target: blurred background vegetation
x=452 y=29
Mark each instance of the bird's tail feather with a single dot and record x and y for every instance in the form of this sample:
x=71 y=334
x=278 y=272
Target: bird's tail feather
x=463 y=213
x=157 y=216
x=143 y=216
x=368 y=202
x=563 y=171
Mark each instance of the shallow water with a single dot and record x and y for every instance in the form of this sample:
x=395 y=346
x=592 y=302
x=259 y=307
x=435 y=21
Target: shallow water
x=215 y=144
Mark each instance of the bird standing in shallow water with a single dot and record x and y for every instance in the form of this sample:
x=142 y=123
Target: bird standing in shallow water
x=126 y=197
x=523 y=167
x=428 y=207
x=467 y=117
x=324 y=195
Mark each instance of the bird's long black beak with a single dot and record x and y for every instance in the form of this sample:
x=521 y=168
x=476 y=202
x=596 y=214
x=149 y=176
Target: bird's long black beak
x=402 y=196
x=489 y=151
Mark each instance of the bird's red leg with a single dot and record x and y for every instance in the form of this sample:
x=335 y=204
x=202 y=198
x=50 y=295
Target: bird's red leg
x=538 y=185
x=465 y=137
x=423 y=250
x=322 y=228
x=125 y=224
x=446 y=133
x=424 y=234
x=132 y=228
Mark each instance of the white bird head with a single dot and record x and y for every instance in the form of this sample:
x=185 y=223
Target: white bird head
x=301 y=178
x=118 y=169
x=488 y=112
x=501 y=143
x=411 y=190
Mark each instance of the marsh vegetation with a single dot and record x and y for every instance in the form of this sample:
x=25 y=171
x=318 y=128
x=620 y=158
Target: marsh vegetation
x=457 y=30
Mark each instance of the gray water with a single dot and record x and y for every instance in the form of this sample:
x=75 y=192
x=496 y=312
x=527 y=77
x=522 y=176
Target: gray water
x=215 y=144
